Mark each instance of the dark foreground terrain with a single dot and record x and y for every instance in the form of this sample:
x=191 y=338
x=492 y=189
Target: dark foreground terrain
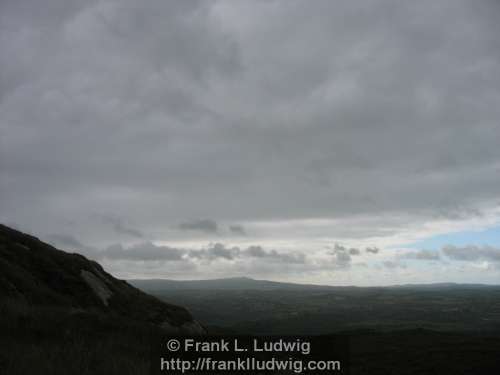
x=51 y=342
x=61 y=313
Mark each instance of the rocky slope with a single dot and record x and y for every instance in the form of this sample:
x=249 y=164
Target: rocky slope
x=37 y=274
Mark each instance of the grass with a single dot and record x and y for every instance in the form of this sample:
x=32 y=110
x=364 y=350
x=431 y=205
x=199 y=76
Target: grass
x=49 y=340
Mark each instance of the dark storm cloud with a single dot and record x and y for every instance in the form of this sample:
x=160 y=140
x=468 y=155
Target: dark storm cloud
x=246 y=111
x=203 y=225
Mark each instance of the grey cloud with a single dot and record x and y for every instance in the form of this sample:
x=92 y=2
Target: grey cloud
x=65 y=242
x=393 y=264
x=472 y=253
x=216 y=251
x=247 y=112
x=120 y=227
x=343 y=259
x=259 y=252
x=146 y=251
x=203 y=225
x=256 y=251
x=422 y=255
x=354 y=251
x=458 y=213
x=337 y=248
x=447 y=253
x=342 y=255
x=219 y=251
x=237 y=229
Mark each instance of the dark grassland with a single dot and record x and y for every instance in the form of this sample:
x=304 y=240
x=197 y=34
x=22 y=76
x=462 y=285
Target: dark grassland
x=57 y=341
x=448 y=309
x=438 y=329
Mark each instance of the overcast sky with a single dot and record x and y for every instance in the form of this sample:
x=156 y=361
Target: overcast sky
x=316 y=141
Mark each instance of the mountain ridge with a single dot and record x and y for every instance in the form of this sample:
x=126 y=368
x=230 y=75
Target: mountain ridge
x=247 y=283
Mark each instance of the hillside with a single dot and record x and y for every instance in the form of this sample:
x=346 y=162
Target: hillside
x=37 y=274
x=61 y=314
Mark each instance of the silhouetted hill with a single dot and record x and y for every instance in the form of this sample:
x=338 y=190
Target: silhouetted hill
x=37 y=274
x=246 y=283
x=232 y=283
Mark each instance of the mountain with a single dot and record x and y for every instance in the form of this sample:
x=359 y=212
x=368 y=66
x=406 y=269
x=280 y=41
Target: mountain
x=35 y=273
x=234 y=283
x=247 y=283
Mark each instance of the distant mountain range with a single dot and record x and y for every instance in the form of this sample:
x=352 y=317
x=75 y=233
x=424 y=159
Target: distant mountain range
x=246 y=283
x=233 y=283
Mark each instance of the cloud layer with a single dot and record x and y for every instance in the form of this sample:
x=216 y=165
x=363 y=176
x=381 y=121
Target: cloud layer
x=170 y=121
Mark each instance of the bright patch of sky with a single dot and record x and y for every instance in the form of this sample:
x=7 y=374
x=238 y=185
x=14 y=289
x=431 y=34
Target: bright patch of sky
x=486 y=237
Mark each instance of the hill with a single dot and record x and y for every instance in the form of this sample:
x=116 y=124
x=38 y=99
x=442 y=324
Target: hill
x=247 y=283
x=36 y=273
x=61 y=314
x=232 y=283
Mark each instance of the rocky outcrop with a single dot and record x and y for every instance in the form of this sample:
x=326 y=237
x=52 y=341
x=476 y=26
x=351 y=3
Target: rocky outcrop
x=98 y=286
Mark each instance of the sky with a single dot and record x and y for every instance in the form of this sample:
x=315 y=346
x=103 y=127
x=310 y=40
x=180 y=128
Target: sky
x=333 y=142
